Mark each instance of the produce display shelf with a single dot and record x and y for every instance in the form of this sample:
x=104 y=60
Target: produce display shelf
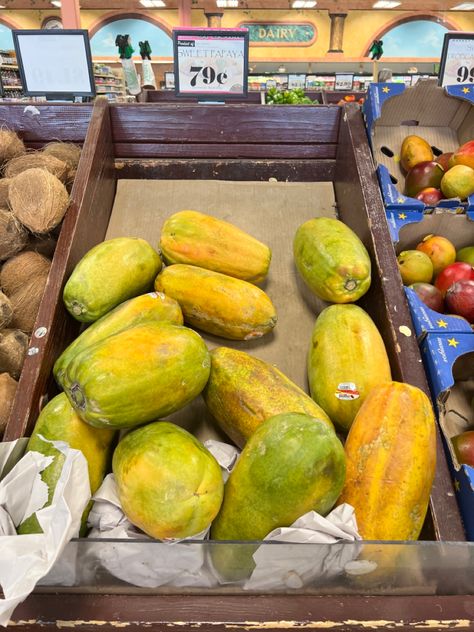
x=237 y=143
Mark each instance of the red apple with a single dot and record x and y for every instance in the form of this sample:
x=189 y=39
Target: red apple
x=430 y=295
x=443 y=160
x=429 y=196
x=460 y=299
x=452 y=273
x=463 y=445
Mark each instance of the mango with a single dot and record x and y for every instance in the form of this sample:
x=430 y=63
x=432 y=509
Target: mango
x=422 y=176
x=466 y=255
x=415 y=267
x=169 y=484
x=458 y=182
x=243 y=391
x=414 y=150
x=464 y=155
x=439 y=249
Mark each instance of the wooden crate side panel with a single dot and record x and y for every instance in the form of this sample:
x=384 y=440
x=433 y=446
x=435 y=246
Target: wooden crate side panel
x=84 y=226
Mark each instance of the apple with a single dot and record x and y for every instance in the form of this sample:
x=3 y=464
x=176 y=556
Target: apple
x=440 y=250
x=460 y=299
x=443 y=160
x=452 y=273
x=430 y=295
x=463 y=445
x=429 y=196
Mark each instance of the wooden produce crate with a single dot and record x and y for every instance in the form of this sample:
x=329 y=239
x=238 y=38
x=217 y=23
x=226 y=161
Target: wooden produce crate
x=176 y=145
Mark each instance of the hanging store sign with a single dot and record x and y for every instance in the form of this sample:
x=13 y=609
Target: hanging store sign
x=211 y=63
x=457 y=60
x=280 y=33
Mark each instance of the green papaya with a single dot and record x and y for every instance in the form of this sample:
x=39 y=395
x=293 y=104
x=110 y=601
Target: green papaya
x=110 y=273
x=332 y=260
x=151 y=307
x=59 y=422
x=169 y=484
x=137 y=375
x=243 y=391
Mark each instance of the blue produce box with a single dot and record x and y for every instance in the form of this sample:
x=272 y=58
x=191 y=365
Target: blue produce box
x=444 y=117
x=449 y=361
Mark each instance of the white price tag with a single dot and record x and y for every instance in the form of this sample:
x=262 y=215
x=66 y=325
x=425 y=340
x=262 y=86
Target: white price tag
x=211 y=62
x=457 y=59
x=344 y=82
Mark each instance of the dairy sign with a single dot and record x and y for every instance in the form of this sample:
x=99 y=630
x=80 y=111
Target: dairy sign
x=211 y=63
x=457 y=60
x=280 y=33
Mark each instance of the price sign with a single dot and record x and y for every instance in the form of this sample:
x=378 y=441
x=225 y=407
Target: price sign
x=344 y=82
x=211 y=63
x=457 y=59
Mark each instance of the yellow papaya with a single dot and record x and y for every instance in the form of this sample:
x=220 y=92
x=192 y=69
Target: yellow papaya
x=243 y=391
x=218 y=303
x=208 y=242
x=347 y=358
x=391 y=460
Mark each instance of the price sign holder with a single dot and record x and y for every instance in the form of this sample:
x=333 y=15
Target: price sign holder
x=457 y=59
x=211 y=64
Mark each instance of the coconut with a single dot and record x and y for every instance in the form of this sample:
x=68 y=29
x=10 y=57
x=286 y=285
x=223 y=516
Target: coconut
x=37 y=160
x=10 y=145
x=6 y=311
x=38 y=200
x=68 y=153
x=22 y=270
x=7 y=395
x=13 y=346
x=25 y=303
x=4 y=184
x=13 y=237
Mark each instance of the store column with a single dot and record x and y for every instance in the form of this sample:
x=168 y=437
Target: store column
x=337 y=32
x=184 y=12
x=70 y=14
x=214 y=20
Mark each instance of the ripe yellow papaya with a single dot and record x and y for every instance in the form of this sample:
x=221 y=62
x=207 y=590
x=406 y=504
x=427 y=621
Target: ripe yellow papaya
x=208 y=242
x=332 y=260
x=391 y=460
x=243 y=391
x=347 y=358
x=218 y=303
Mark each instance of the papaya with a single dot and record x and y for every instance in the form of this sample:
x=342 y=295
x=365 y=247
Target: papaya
x=107 y=275
x=59 y=422
x=137 y=375
x=332 y=260
x=413 y=151
x=169 y=484
x=391 y=460
x=218 y=303
x=243 y=391
x=346 y=359
x=151 y=307
x=208 y=242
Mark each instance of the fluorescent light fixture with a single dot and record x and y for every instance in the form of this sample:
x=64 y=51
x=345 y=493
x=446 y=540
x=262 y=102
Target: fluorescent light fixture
x=386 y=4
x=56 y=3
x=152 y=4
x=227 y=4
x=303 y=4
x=464 y=6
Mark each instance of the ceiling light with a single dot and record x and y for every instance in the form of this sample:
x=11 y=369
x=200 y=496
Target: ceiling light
x=227 y=3
x=303 y=4
x=465 y=6
x=386 y=4
x=152 y=4
x=56 y=3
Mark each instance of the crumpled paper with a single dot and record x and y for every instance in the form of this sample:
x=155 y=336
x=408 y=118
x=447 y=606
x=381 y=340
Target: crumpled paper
x=25 y=559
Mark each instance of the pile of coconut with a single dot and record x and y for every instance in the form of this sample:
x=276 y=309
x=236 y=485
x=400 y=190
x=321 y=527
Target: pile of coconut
x=33 y=200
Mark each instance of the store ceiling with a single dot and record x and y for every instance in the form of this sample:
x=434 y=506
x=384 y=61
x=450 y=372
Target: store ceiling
x=210 y=5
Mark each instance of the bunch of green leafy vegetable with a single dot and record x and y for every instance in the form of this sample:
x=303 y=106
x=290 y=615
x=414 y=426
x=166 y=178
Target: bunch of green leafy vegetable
x=292 y=97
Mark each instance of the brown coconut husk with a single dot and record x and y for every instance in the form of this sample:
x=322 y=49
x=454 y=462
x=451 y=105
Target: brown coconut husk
x=7 y=395
x=13 y=236
x=42 y=244
x=38 y=200
x=4 y=184
x=25 y=303
x=6 y=311
x=37 y=160
x=22 y=270
x=68 y=153
x=13 y=346
x=10 y=145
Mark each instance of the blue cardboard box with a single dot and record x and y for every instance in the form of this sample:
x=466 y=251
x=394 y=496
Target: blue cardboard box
x=426 y=320
x=442 y=116
x=449 y=362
